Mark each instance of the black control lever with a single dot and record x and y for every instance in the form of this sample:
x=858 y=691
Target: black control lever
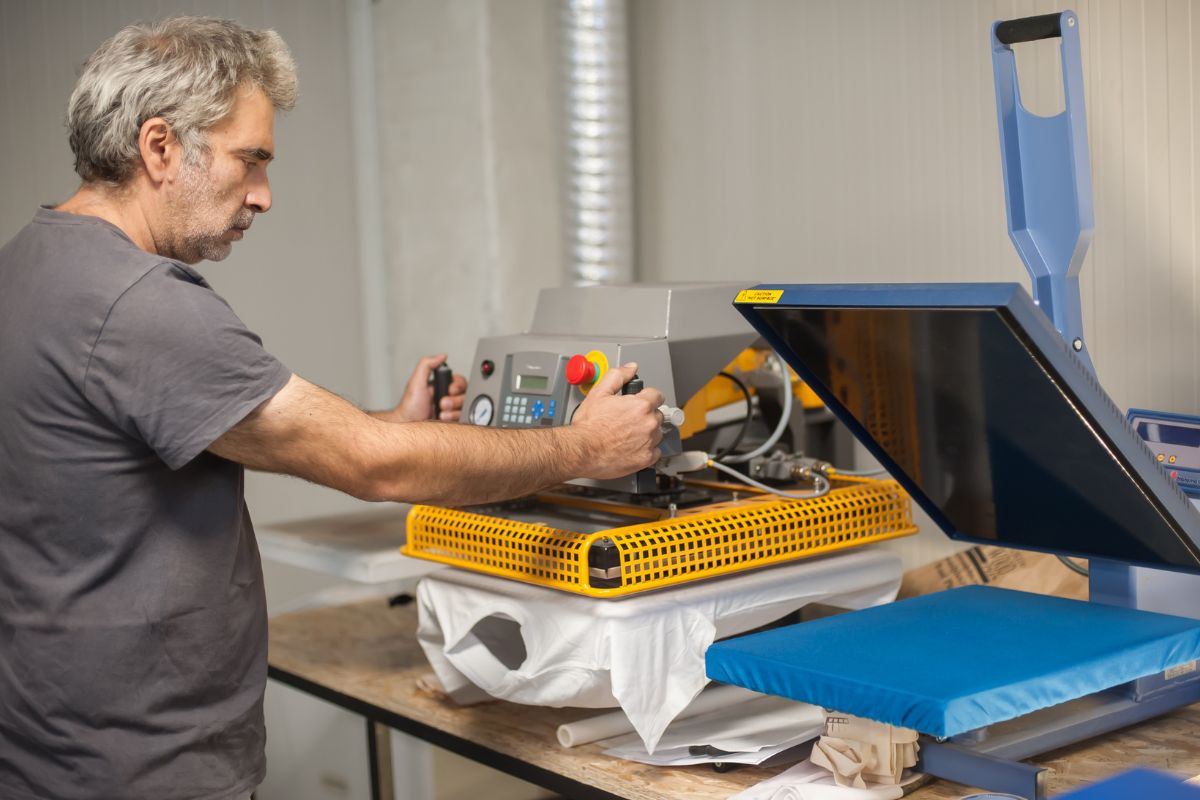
x=440 y=380
x=634 y=386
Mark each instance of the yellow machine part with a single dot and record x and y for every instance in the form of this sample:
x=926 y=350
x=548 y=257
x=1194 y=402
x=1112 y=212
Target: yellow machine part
x=756 y=530
x=721 y=391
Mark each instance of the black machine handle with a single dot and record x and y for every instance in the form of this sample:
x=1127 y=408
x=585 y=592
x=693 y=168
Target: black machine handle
x=1030 y=29
x=440 y=379
x=634 y=386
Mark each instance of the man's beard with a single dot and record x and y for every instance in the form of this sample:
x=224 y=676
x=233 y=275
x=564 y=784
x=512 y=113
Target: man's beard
x=198 y=205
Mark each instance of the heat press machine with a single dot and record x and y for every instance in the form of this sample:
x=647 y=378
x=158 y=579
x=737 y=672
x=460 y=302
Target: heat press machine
x=981 y=401
x=605 y=594
x=673 y=523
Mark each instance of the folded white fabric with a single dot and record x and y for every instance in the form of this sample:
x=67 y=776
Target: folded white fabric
x=806 y=781
x=487 y=636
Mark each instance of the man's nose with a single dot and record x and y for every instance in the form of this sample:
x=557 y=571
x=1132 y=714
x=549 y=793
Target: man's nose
x=259 y=197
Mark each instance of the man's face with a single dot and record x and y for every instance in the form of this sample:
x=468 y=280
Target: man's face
x=215 y=200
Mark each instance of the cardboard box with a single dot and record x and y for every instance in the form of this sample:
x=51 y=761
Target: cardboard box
x=998 y=566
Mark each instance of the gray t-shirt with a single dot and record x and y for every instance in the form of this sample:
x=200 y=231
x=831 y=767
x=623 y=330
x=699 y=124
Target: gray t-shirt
x=132 y=615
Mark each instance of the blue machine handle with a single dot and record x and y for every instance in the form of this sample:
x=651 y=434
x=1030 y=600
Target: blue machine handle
x=1047 y=176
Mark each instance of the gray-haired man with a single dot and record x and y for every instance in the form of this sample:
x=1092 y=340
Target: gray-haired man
x=132 y=619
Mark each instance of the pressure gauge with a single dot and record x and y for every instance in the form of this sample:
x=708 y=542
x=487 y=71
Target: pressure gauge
x=482 y=410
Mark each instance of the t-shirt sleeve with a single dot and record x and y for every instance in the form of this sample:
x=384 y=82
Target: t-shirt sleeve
x=174 y=367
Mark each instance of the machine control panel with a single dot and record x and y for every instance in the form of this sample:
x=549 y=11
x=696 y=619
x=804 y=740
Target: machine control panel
x=1175 y=441
x=534 y=392
x=535 y=388
x=679 y=336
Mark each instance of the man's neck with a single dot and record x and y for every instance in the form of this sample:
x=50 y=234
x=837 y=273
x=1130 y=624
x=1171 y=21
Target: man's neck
x=118 y=207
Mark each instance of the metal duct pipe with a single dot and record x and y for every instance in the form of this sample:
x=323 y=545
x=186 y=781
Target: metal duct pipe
x=598 y=229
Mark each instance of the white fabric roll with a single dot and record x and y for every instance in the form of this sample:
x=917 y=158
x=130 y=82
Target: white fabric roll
x=616 y=723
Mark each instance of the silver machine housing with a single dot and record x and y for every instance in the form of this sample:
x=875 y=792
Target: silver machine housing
x=680 y=335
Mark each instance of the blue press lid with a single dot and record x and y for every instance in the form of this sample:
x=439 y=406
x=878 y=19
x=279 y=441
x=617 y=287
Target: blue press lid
x=973 y=402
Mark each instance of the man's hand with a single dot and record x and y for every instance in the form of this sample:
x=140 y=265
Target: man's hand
x=622 y=431
x=417 y=403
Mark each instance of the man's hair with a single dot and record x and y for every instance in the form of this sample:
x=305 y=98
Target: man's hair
x=186 y=70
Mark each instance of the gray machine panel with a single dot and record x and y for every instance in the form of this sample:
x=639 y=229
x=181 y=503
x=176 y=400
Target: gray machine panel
x=680 y=336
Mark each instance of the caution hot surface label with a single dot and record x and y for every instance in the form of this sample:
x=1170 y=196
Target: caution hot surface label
x=759 y=296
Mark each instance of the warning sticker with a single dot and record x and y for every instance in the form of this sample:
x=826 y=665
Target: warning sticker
x=759 y=296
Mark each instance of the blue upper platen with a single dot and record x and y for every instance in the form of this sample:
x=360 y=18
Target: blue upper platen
x=972 y=400
x=957 y=660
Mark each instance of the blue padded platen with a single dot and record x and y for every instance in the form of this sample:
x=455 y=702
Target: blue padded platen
x=957 y=660
x=1138 y=783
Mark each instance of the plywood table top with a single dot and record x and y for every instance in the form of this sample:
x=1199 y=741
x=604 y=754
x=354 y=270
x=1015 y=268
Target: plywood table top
x=365 y=657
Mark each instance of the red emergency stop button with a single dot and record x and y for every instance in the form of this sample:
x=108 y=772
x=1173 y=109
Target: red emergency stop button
x=580 y=370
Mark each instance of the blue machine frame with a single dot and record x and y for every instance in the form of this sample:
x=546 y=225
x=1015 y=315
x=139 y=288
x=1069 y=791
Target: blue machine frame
x=1048 y=194
x=1047 y=176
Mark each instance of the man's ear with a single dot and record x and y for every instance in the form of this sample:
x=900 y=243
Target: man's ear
x=160 y=150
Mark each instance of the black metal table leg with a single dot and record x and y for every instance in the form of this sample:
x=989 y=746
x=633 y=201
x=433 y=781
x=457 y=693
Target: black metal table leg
x=379 y=759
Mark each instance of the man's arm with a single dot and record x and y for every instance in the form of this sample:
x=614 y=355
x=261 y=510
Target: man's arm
x=313 y=434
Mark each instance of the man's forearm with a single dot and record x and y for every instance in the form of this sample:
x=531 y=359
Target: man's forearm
x=313 y=434
x=432 y=462
x=310 y=433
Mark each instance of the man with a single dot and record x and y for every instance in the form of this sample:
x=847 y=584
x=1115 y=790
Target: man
x=132 y=616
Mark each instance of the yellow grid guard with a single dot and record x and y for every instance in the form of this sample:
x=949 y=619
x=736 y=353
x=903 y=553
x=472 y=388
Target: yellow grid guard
x=758 y=531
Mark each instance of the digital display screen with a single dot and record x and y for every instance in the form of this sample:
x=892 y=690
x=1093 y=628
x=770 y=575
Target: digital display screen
x=961 y=402
x=533 y=382
x=1166 y=433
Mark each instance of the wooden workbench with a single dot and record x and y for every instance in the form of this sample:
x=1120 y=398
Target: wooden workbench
x=365 y=658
